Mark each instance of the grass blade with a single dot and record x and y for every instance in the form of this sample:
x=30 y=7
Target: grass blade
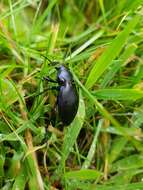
x=111 y=53
x=119 y=94
x=85 y=174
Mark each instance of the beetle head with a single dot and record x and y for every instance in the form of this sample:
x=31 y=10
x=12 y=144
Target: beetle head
x=63 y=75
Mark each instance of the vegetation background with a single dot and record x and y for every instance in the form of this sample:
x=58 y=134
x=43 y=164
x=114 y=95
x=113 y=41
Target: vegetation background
x=101 y=42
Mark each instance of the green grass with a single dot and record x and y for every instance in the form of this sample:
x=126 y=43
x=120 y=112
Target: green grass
x=101 y=42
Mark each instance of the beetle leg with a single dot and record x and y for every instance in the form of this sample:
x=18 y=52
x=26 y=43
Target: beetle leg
x=52 y=88
x=49 y=88
x=49 y=79
x=46 y=89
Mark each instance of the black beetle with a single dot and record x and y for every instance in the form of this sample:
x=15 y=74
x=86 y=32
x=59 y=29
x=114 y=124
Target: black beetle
x=68 y=97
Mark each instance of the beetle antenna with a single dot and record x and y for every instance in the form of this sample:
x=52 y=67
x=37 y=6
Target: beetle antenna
x=51 y=62
x=67 y=53
x=47 y=58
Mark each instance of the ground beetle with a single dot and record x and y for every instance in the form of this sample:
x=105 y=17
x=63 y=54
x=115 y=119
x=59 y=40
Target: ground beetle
x=68 y=97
